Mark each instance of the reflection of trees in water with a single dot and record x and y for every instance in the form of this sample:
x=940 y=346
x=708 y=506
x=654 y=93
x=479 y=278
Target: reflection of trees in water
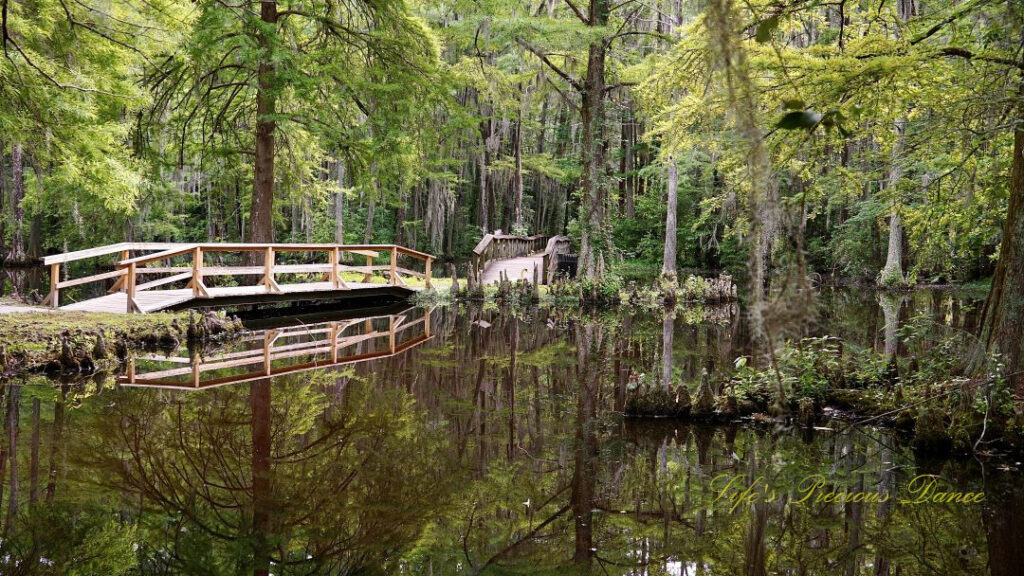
x=496 y=445
x=274 y=474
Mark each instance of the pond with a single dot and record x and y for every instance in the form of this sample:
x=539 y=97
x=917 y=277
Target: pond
x=462 y=440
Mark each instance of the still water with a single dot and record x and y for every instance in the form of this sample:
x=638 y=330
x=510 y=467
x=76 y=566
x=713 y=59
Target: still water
x=466 y=441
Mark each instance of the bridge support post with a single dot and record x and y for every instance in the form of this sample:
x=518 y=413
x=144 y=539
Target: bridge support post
x=53 y=298
x=336 y=279
x=427 y=272
x=394 y=265
x=369 y=273
x=130 y=282
x=268 y=271
x=196 y=284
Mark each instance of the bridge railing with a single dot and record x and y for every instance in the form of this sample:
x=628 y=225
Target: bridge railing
x=174 y=263
x=556 y=245
x=503 y=246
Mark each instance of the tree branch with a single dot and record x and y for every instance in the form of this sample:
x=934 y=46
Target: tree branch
x=579 y=14
x=968 y=55
x=544 y=58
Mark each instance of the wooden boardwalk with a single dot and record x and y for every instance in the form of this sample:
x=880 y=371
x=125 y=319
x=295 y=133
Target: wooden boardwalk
x=181 y=274
x=517 y=257
x=519 y=268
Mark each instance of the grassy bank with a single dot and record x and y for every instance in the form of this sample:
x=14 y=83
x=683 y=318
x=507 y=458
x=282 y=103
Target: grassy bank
x=87 y=341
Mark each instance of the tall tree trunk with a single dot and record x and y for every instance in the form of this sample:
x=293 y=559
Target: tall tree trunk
x=892 y=274
x=484 y=224
x=518 y=176
x=17 y=196
x=339 y=206
x=1002 y=326
x=261 y=216
x=591 y=259
x=668 y=262
x=370 y=209
x=628 y=179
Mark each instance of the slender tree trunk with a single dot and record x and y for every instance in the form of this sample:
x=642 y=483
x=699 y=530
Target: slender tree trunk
x=591 y=261
x=892 y=274
x=668 y=262
x=628 y=178
x=370 y=209
x=339 y=206
x=261 y=217
x=17 y=196
x=518 y=176
x=484 y=208
x=1002 y=326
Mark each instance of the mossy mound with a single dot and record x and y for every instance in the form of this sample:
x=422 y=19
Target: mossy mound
x=77 y=343
x=931 y=432
x=655 y=402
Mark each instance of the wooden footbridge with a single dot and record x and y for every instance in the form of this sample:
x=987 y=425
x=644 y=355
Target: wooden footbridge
x=532 y=258
x=284 y=350
x=149 y=277
x=154 y=276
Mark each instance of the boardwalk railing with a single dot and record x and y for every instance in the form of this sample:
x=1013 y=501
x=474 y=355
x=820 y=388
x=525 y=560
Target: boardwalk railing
x=281 y=351
x=556 y=245
x=502 y=247
x=171 y=263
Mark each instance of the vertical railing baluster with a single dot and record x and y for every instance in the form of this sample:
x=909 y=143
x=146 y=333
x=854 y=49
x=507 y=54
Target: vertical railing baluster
x=394 y=265
x=130 y=289
x=54 y=298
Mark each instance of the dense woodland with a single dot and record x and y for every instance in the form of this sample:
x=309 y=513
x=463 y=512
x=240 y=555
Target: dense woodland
x=872 y=139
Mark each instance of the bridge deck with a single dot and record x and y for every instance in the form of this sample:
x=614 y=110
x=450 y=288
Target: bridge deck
x=157 y=300
x=515 y=268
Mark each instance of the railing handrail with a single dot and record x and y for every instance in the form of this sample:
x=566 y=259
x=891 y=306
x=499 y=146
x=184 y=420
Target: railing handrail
x=181 y=249
x=488 y=238
x=66 y=257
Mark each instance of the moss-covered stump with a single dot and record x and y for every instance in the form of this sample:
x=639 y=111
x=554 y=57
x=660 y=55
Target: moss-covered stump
x=658 y=402
x=84 y=342
x=931 y=432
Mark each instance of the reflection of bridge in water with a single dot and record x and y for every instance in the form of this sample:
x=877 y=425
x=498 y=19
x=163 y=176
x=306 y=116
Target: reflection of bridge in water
x=289 y=350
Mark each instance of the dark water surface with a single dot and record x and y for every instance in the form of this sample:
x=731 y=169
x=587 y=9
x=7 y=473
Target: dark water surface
x=461 y=441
